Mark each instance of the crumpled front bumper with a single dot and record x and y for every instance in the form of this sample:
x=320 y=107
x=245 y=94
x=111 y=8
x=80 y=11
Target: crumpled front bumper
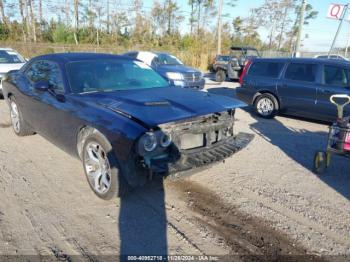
x=192 y=161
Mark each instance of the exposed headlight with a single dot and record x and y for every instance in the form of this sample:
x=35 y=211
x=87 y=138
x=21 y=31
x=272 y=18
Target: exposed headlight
x=165 y=140
x=174 y=76
x=149 y=141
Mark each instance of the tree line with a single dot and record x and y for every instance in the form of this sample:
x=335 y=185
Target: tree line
x=163 y=24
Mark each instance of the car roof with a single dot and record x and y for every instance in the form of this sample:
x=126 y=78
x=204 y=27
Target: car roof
x=6 y=49
x=305 y=60
x=80 y=56
x=151 y=52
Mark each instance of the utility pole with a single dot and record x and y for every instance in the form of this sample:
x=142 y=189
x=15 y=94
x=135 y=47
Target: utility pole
x=347 y=43
x=219 y=26
x=300 y=29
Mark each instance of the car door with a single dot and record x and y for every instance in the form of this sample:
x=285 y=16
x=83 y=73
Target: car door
x=50 y=110
x=29 y=98
x=335 y=80
x=298 y=88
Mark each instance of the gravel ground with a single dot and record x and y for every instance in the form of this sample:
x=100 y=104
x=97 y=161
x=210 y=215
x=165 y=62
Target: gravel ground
x=262 y=202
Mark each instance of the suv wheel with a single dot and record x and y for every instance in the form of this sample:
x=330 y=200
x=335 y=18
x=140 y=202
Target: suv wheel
x=266 y=106
x=220 y=76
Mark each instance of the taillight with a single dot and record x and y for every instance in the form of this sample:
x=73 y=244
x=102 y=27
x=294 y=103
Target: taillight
x=347 y=142
x=245 y=69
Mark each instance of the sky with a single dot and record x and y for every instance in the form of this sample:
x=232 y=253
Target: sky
x=320 y=31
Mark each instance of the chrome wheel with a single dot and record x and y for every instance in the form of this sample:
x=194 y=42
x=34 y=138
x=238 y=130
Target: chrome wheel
x=97 y=167
x=15 y=117
x=265 y=106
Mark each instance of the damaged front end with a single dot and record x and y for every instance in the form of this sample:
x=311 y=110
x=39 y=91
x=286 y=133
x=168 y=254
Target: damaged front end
x=187 y=146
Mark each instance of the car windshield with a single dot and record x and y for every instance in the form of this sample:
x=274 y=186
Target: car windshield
x=10 y=57
x=224 y=58
x=244 y=52
x=112 y=75
x=164 y=59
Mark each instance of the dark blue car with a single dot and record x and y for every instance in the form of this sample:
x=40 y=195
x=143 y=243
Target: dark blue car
x=295 y=86
x=171 y=68
x=120 y=117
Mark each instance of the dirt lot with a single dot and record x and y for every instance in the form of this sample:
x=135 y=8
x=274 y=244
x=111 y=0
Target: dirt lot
x=263 y=201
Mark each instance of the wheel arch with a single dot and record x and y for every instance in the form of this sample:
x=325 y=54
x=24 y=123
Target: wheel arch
x=127 y=163
x=222 y=68
x=83 y=132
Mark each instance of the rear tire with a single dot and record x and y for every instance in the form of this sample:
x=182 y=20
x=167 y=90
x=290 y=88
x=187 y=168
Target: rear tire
x=220 y=75
x=266 y=106
x=320 y=162
x=19 y=125
x=102 y=168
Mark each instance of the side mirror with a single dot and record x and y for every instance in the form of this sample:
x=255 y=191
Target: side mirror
x=42 y=85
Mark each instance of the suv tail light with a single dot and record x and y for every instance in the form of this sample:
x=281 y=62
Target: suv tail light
x=347 y=142
x=245 y=69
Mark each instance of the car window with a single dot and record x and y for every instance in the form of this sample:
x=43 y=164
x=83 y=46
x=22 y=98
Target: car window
x=155 y=61
x=165 y=59
x=46 y=70
x=301 y=72
x=336 y=76
x=10 y=57
x=223 y=58
x=266 y=69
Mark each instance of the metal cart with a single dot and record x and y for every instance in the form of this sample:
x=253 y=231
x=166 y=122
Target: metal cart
x=338 y=137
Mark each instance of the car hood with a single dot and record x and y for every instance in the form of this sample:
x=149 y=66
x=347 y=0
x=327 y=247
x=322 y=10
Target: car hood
x=156 y=106
x=4 y=68
x=176 y=68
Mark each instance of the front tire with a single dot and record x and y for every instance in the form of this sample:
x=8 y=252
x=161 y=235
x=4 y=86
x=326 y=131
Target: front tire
x=220 y=75
x=266 y=106
x=102 y=168
x=19 y=125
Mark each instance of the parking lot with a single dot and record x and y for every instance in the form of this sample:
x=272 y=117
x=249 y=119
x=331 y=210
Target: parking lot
x=264 y=200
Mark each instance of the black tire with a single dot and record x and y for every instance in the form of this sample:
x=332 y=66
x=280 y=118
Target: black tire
x=118 y=185
x=22 y=129
x=320 y=162
x=220 y=75
x=266 y=106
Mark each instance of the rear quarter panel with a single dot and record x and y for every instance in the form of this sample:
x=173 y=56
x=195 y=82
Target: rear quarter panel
x=253 y=86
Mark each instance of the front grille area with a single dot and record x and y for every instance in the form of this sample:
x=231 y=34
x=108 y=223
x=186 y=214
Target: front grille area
x=201 y=131
x=192 y=77
x=196 y=143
